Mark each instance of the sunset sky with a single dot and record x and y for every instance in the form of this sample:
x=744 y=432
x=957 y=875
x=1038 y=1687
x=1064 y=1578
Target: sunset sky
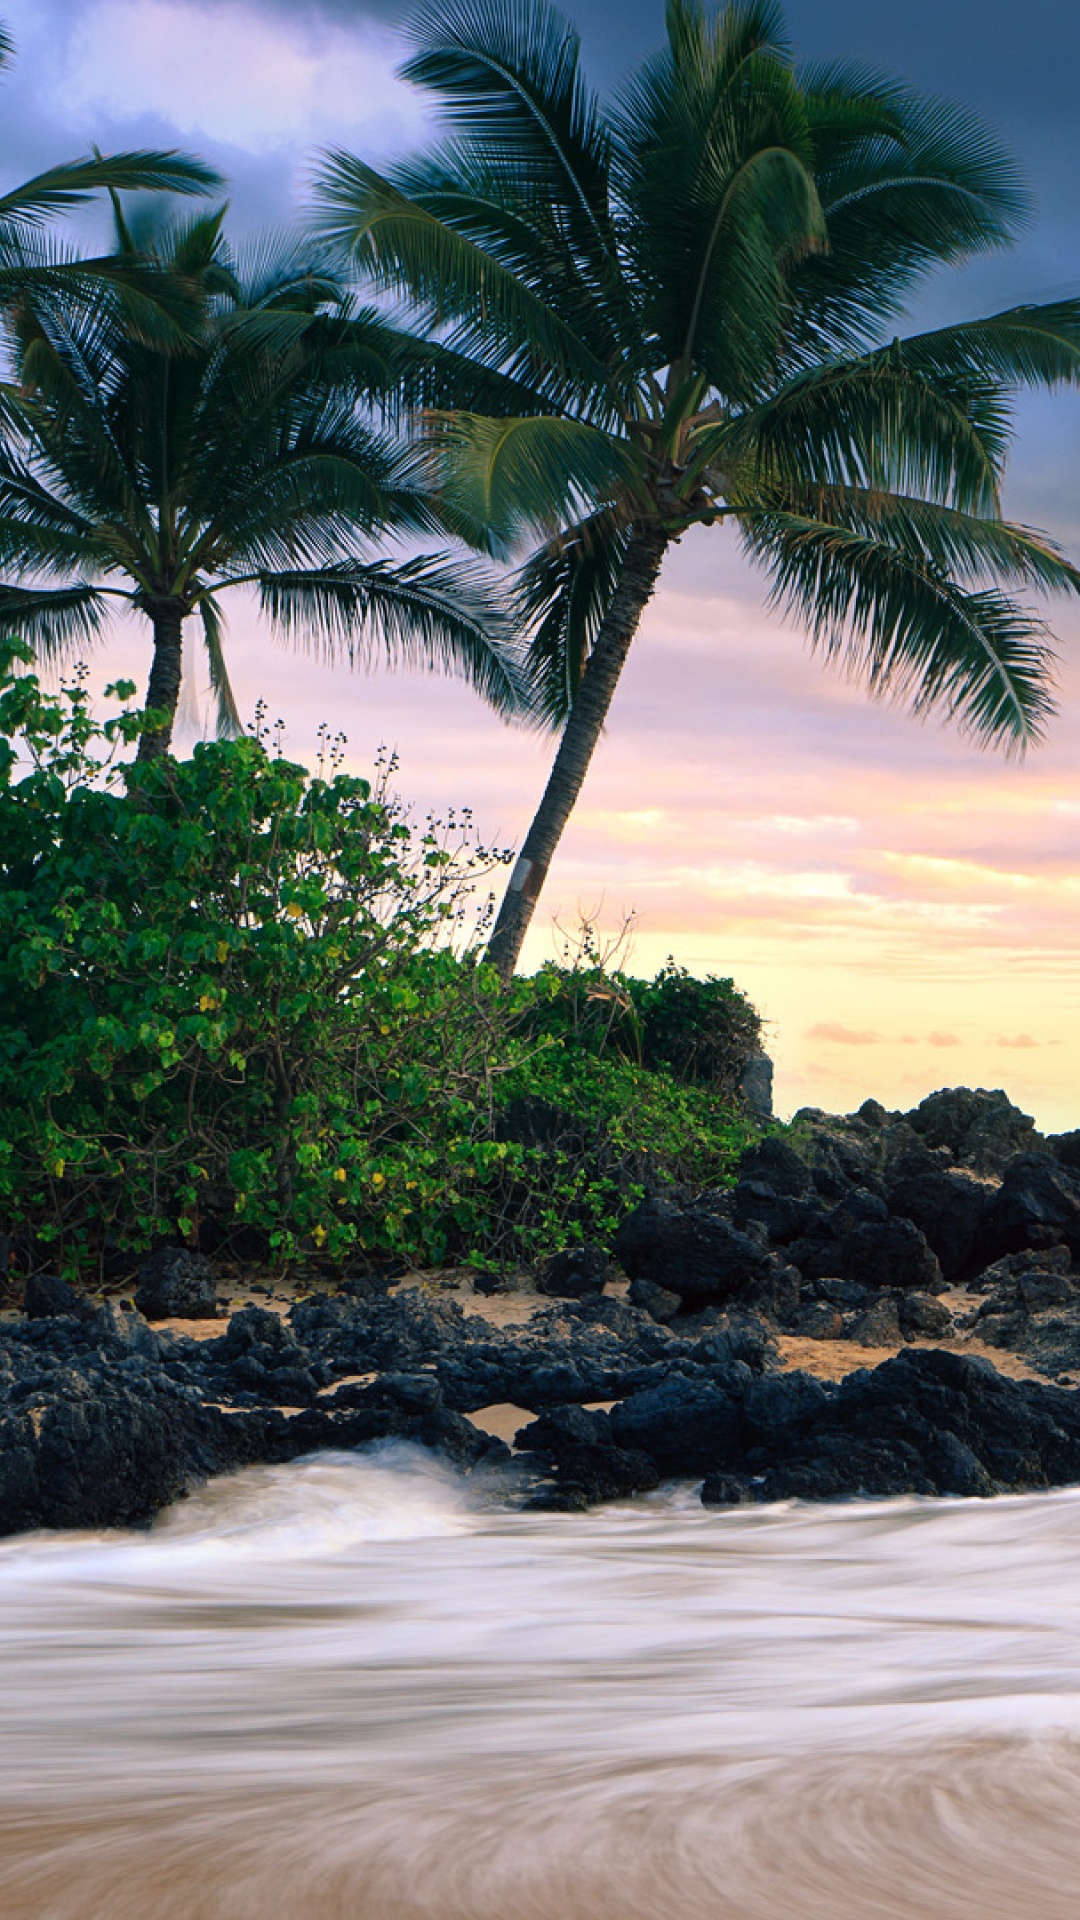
x=904 y=910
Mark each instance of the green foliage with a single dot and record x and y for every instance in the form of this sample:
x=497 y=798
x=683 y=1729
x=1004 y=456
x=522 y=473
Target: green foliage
x=240 y=1003
x=699 y=1032
x=227 y=990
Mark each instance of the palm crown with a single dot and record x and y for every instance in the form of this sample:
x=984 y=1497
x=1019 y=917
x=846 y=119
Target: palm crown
x=687 y=303
x=163 y=475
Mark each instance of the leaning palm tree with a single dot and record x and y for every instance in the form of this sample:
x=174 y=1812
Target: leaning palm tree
x=161 y=476
x=689 y=300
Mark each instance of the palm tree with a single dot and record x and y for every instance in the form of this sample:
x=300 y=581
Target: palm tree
x=159 y=477
x=690 y=300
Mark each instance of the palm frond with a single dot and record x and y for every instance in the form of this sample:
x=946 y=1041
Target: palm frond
x=712 y=167
x=229 y=724
x=907 y=184
x=877 y=422
x=906 y=631
x=54 y=620
x=967 y=547
x=510 y=480
x=561 y=594
x=510 y=75
x=425 y=611
x=1028 y=346
x=145 y=171
x=400 y=246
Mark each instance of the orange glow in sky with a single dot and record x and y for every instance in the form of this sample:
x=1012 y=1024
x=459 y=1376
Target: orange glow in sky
x=904 y=909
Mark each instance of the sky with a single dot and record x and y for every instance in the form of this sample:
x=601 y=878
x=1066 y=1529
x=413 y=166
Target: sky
x=903 y=909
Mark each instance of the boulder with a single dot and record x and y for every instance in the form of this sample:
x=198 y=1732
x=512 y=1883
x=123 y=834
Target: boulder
x=694 y=1252
x=176 y=1284
x=575 y=1273
x=890 y=1253
x=1005 y=1272
x=578 y=1448
x=783 y=1217
x=778 y=1295
x=728 y=1490
x=841 y=1153
x=1065 y=1147
x=487 y=1281
x=981 y=1129
x=922 y=1317
x=779 y=1406
x=658 y=1302
x=947 y=1205
x=879 y=1326
x=756 y=1085
x=46 y=1296
x=849 y=1295
x=686 y=1426
x=817 y=1320
x=776 y=1162
x=1036 y=1207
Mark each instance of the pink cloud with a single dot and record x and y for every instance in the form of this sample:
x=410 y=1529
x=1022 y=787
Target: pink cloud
x=840 y=1036
x=939 y=1039
x=1022 y=1041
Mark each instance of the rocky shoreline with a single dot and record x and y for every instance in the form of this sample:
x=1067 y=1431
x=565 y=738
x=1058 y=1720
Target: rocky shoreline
x=952 y=1228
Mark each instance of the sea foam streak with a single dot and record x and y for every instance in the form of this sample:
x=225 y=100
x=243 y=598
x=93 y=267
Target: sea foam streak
x=352 y=1687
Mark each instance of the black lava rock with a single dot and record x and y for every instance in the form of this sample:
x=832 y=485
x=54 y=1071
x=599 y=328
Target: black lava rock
x=575 y=1273
x=922 y=1317
x=176 y=1284
x=686 y=1426
x=656 y=1301
x=694 y=1252
x=948 y=1206
x=879 y=1326
x=890 y=1253
x=1037 y=1206
x=47 y=1296
x=981 y=1129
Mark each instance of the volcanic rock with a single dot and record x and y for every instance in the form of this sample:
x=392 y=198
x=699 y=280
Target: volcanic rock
x=1037 y=1206
x=575 y=1273
x=694 y=1252
x=175 y=1283
x=981 y=1129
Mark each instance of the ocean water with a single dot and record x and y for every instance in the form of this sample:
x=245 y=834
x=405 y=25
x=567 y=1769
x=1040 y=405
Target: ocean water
x=358 y=1688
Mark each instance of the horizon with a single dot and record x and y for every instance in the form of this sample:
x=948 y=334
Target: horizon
x=903 y=909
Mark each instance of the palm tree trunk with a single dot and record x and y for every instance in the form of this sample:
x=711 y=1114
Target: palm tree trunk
x=580 y=735
x=163 y=691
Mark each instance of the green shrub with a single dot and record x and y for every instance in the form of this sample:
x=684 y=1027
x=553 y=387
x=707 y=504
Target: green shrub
x=700 y=1032
x=242 y=1003
x=228 y=989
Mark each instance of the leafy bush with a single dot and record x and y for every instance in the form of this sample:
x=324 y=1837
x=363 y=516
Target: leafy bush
x=227 y=990
x=242 y=1003
x=700 y=1032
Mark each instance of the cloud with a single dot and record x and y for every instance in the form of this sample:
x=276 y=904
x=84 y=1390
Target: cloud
x=938 y=1039
x=1022 y=1041
x=840 y=1036
x=234 y=74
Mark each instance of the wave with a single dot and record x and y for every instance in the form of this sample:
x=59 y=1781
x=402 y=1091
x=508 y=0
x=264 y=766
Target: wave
x=357 y=1686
